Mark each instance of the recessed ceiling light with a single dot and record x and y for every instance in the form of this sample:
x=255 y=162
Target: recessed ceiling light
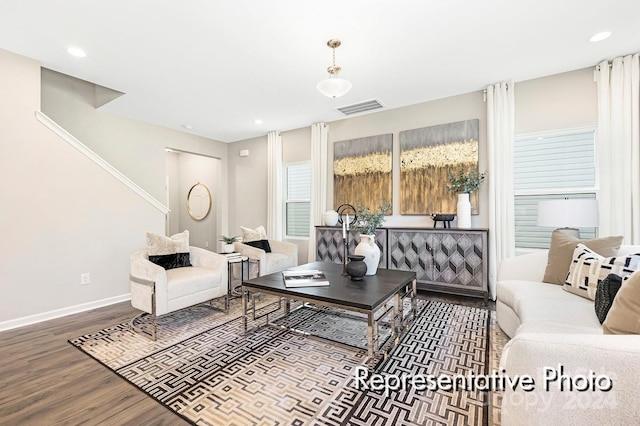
x=257 y=121
x=77 y=52
x=600 y=36
x=187 y=126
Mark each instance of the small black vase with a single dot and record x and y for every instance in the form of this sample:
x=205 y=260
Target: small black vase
x=356 y=268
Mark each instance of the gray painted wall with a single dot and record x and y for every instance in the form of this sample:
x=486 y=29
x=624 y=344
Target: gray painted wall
x=135 y=148
x=247 y=184
x=62 y=214
x=560 y=101
x=195 y=169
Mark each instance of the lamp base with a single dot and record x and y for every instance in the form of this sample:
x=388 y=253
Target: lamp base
x=574 y=232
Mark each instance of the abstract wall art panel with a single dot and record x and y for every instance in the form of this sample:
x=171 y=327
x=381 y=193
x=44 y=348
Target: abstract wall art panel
x=427 y=157
x=362 y=171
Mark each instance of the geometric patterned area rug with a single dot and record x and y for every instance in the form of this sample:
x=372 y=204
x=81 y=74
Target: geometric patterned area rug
x=203 y=368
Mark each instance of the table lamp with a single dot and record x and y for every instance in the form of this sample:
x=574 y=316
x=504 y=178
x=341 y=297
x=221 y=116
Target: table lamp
x=568 y=215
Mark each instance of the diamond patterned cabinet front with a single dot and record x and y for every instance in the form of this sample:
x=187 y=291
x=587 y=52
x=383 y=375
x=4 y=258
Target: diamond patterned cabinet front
x=447 y=260
x=329 y=244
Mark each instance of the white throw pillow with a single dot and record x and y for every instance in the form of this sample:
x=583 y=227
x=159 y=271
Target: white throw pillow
x=158 y=245
x=257 y=234
x=588 y=268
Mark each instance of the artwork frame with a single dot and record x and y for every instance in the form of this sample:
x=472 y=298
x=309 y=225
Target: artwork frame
x=362 y=171
x=428 y=155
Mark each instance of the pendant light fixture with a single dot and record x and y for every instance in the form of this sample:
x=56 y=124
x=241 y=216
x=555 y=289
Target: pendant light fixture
x=333 y=86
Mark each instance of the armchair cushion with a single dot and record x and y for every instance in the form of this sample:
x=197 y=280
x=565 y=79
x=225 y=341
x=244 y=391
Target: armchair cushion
x=261 y=244
x=169 y=252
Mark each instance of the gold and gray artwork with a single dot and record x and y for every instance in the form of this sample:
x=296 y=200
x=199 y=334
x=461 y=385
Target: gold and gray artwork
x=427 y=157
x=362 y=171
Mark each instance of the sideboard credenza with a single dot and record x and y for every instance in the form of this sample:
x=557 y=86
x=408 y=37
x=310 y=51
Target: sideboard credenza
x=448 y=260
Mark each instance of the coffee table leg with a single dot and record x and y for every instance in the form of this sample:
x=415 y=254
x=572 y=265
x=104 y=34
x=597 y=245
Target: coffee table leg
x=414 y=301
x=372 y=336
x=397 y=318
x=245 y=297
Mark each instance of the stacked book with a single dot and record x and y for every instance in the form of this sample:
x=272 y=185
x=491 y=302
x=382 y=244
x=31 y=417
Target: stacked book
x=232 y=256
x=302 y=278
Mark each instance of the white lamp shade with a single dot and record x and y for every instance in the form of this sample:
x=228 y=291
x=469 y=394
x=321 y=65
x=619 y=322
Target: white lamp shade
x=568 y=213
x=334 y=87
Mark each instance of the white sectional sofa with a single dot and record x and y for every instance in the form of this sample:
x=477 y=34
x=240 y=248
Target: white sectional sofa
x=556 y=332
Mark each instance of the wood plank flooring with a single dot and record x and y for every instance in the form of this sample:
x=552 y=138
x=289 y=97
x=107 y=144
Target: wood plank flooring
x=46 y=381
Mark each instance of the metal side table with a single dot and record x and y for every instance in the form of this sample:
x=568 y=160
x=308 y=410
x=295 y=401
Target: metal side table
x=232 y=262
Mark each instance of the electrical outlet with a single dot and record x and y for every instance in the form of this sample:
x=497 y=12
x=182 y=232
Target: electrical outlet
x=85 y=279
x=206 y=244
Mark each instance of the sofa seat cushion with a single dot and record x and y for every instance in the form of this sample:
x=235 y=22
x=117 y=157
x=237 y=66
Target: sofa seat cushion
x=573 y=310
x=539 y=301
x=556 y=328
x=186 y=281
x=510 y=292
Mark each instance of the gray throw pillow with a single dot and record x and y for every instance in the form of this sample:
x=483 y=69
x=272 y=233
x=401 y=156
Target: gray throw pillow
x=561 y=253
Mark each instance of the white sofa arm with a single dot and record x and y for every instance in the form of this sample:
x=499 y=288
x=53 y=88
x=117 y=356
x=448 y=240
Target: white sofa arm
x=526 y=267
x=208 y=259
x=146 y=278
x=251 y=252
x=288 y=249
x=141 y=268
x=573 y=356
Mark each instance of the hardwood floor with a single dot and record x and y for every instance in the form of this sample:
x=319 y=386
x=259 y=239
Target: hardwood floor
x=46 y=381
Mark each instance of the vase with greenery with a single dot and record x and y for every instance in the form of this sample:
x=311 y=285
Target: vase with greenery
x=366 y=223
x=464 y=183
x=228 y=246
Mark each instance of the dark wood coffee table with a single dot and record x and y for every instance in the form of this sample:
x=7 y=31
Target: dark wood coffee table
x=372 y=296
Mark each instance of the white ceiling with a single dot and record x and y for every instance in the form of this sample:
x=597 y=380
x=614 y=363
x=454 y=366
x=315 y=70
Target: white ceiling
x=219 y=65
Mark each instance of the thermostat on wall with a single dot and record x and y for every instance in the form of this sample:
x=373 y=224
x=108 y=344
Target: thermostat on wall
x=244 y=153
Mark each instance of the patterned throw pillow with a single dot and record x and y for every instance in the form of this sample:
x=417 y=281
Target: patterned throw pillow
x=588 y=268
x=606 y=292
x=169 y=252
x=257 y=234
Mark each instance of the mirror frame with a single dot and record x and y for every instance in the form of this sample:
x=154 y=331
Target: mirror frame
x=208 y=209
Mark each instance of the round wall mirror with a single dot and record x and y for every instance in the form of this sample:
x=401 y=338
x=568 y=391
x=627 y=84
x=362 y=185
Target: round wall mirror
x=199 y=201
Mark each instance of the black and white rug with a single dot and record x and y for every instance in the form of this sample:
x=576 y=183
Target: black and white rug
x=205 y=370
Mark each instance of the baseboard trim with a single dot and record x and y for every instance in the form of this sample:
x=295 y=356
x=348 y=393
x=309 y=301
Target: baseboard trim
x=63 y=312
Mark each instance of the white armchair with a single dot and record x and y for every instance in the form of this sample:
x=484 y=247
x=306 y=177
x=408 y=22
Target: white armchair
x=283 y=255
x=157 y=291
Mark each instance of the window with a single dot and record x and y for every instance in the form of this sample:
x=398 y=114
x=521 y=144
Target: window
x=554 y=166
x=297 y=199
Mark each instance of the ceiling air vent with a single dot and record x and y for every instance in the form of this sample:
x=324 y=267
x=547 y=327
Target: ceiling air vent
x=360 y=107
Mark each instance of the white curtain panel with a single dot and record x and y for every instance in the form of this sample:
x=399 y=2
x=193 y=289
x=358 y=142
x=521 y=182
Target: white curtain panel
x=500 y=141
x=618 y=147
x=274 y=186
x=319 y=181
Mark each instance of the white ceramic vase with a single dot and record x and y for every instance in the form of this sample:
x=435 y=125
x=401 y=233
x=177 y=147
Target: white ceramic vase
x=371 y=252
x=463 y=211
x=330 y=218
x=228 y=248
